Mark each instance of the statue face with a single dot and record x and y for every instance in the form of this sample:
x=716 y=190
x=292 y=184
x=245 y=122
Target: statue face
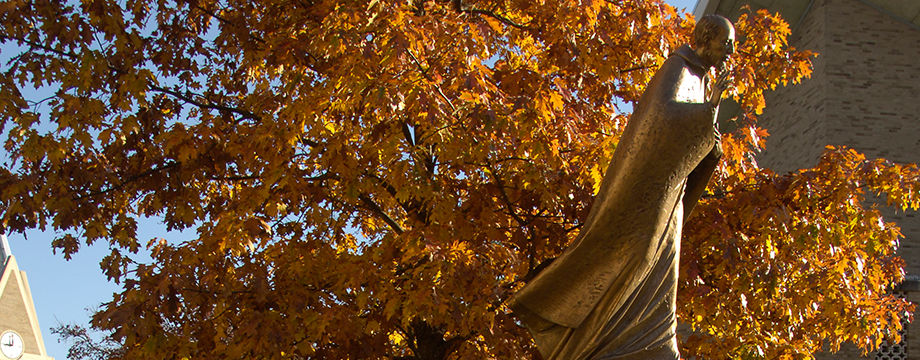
x=720 y=47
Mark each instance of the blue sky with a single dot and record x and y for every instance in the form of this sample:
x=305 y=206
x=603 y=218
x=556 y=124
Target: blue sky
x=67 y=291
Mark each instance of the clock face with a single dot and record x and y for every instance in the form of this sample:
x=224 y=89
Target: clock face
x=11 y=345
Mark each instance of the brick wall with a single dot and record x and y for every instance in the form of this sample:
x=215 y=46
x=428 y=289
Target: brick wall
x=873 y=81
x=865 y=94
x=873 y=101
x=796 y=115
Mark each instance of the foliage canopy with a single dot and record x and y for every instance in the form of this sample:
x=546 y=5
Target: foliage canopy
x=372 y=179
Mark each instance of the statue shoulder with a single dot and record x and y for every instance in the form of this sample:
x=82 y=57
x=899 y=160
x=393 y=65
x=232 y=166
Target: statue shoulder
x=674 y=63
x=674 y=70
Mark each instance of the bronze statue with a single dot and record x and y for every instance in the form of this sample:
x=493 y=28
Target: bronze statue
x=611 y=294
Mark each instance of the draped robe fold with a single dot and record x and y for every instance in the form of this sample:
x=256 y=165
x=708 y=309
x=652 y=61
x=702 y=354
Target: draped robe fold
x=611 y=294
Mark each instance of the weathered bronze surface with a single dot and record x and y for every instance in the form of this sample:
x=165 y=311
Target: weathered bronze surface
x=611 y=294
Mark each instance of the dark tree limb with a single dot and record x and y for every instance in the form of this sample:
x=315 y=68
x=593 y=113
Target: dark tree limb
x=495 y=16
x=246 y=114
x=371 y=205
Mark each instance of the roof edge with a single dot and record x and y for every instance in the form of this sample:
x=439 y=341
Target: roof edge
x=4 y=248
x=704 y=7
x=891 y=14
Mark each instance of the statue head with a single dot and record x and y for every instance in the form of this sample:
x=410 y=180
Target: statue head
x=713 y=39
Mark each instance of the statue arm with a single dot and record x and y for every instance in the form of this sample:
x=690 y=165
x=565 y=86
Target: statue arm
x=699 y=178
x=684 y=110
x=691 y=115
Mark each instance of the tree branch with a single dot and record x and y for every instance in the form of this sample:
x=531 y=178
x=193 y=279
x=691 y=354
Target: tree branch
x=39 y=46
x=505 y=198
x=410 y=207
x=235 y=178
x=244 y=113
x=634 y=69
x=428 y=77
x=129 y=180
x=383 y=215
x=495 y=16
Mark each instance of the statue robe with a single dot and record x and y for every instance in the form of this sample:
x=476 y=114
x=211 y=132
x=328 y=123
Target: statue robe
x=611 y=294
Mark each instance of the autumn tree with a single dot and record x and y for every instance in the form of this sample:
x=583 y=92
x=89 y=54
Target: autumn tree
x=372 y=179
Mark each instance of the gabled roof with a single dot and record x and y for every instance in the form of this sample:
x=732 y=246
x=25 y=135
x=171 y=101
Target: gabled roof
x=907 y=11
x=18 y=310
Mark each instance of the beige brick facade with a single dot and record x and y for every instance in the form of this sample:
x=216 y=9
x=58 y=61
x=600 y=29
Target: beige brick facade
x=796 y=116
x=864 y=94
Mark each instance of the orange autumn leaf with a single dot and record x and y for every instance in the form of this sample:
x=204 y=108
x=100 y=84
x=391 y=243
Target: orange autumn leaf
x=373 y=179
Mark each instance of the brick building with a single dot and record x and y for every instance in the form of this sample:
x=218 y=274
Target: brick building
x=864 y=93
